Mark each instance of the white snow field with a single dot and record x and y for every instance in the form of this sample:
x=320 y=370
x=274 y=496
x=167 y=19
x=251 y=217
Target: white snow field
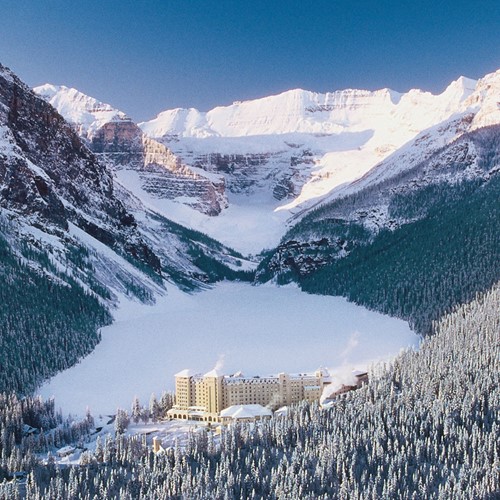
x=259 y=330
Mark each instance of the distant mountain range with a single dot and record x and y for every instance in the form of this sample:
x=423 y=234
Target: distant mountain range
x=267 y=159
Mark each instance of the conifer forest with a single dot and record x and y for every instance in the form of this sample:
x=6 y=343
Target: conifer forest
x=426 y=426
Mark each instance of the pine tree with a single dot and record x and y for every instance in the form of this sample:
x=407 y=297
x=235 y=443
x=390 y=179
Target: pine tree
x=136 y=410
x=154 y=408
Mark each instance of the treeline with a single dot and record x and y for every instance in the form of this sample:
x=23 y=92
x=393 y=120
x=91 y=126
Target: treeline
x=426 y=426
x=47 y=321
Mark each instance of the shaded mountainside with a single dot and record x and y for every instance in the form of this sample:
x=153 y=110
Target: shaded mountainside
x=412 y=246
x=73 y=243
x=48 y=176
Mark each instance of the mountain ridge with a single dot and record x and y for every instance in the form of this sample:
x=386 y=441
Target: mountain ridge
x=325 y=148
x=295 y=100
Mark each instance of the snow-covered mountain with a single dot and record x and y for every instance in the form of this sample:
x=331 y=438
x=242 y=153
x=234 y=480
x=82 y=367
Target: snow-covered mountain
x=343 y=134
x=301 y=111
x=58 y=193
x=480 y=109
x=139 y=162
x=257 y=163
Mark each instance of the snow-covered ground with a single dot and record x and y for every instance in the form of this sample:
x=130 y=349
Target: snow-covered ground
x=258 y=330
x=248 y=225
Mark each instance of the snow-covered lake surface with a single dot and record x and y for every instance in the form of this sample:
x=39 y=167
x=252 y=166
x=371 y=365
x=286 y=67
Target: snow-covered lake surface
x=258 y=330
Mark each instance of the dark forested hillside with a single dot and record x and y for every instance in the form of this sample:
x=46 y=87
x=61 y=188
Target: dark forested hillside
x=411 y=246
x=422 y=269
x=47 y=321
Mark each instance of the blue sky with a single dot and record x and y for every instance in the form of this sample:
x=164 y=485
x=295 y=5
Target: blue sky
x=144 y=56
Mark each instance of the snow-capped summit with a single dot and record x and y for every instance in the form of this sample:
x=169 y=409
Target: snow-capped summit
x=273 y=157
x=140 y=163
x=84 y=112
x=302 y=111
x=178 y=122
x=485 y=100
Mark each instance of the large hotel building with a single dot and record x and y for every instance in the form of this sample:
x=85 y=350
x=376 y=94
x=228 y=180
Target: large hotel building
x=203 y=397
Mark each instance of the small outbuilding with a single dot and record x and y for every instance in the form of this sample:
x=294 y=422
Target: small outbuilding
x=249 y=413
x=65 y=451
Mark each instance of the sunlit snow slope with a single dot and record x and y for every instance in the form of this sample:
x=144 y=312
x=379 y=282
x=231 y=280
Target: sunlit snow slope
x=264 y=160
x=347 y=132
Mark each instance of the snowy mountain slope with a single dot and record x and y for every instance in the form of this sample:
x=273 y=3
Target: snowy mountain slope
x=73 y=244
x=51 y=180
x=480 y=109
x=412 y=244
x=343 y=134
x=273 y=158
x=115 y=138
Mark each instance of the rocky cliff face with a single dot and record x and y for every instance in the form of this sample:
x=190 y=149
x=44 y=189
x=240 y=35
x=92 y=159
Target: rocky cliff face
x=161 y=173
x=113 y=136
x=49 y=176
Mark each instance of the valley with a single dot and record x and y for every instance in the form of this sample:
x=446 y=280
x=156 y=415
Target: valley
x=279 y=234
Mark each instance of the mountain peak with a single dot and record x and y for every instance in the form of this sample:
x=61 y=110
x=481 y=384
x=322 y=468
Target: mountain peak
x=460 y=89
x=85 y=112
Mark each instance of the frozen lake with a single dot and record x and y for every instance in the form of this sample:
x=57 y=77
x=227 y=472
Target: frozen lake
x=256 y=330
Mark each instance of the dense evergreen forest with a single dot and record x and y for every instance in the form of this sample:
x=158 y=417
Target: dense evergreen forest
x=47 y=320
x=422 y=269
x=426 y=426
